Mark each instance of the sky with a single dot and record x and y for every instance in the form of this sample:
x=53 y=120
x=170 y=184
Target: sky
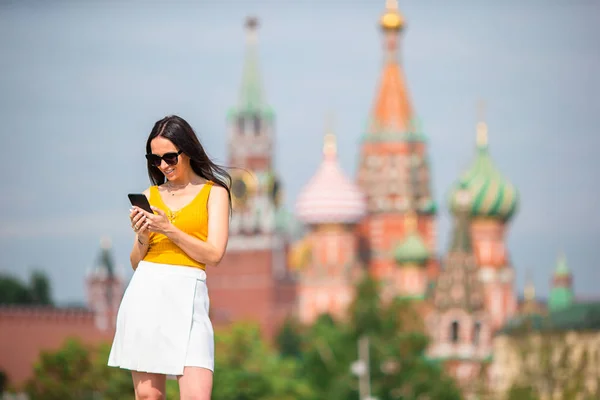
x=82 y=83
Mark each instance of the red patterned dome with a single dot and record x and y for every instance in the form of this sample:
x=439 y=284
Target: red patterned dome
x=330 y=197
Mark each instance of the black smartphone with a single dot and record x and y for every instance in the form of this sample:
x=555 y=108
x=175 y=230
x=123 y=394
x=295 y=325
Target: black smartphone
x=140 y=200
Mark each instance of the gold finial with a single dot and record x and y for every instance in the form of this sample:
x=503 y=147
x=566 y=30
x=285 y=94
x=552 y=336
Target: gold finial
x=392 y=19
x=329 y=145
x=529 y=290
x=482 y=131
x=410 y=222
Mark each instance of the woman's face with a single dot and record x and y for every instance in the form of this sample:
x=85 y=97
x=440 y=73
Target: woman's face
x=161 y=147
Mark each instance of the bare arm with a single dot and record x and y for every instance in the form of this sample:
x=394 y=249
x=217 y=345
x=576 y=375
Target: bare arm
x=140 y=244
x=212 y=250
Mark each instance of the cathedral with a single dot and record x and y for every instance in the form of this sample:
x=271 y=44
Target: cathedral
x=382 y=222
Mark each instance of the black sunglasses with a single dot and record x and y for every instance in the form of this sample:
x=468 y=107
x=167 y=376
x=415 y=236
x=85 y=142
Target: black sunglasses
x=170 y=158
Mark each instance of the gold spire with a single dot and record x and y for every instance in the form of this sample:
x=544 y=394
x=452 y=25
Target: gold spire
x=529 y=290
x=329 y=145
x=482 y=131
x=392 y=19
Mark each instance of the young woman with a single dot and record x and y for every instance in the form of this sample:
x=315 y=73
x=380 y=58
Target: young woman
x=163 y=328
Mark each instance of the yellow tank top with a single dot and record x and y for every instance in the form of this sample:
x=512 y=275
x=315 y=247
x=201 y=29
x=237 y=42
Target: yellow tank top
x=191 y=219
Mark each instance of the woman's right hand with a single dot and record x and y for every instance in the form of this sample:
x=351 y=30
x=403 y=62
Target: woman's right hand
x=139 y=223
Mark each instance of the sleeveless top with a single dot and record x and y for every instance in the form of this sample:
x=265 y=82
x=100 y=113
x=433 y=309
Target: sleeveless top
x=191 y=219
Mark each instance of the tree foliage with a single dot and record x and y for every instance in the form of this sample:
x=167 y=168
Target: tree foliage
x=246 y=368
x=78 y=372
x=36 y=292
x=398 y=366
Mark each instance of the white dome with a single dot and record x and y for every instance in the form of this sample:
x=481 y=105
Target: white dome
x=329 y=196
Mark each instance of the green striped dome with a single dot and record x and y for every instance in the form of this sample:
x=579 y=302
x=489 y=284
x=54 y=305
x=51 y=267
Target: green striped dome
x=411 y=250
x=492 y=194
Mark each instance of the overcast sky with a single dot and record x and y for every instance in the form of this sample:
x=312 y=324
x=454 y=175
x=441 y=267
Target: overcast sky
x=81 y=84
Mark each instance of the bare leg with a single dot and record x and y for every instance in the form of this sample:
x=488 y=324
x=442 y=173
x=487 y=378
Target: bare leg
x=148 y=386
x=195 y=383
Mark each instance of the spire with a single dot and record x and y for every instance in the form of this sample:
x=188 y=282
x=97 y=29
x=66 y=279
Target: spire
x=105 y=261
x=562 y=269
x=482 y=133
x=392 y=111
x=561 y=294
x=460 y=269
x=529 y=290
x=252 y=98
x=329 y=141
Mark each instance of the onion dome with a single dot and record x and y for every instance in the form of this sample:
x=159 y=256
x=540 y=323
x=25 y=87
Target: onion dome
x=330 y=197
x=492 y=194
x=412 y=250
x=392 y=19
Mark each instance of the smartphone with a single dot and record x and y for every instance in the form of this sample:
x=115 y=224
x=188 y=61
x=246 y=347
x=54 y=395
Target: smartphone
x=140 y=200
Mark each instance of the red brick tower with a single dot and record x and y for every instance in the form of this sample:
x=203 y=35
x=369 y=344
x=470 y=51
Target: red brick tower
x=105 y=289
x=252 y=282
x=394 y=169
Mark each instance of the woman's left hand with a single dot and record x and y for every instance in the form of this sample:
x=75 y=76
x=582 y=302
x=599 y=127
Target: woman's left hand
x=158 y=222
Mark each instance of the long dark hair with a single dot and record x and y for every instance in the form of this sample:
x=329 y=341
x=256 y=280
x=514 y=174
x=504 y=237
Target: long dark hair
x=181 y=134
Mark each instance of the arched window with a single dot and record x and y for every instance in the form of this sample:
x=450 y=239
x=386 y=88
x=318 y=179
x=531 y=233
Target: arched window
x=454 y=332
x=476 y=332
x=241 y=125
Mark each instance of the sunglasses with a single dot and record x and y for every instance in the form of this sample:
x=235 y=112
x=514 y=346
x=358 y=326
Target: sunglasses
x=170 y=158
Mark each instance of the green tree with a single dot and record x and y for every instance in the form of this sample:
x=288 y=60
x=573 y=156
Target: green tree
x=247 y=369
x=40 y=288
x=78 y=372
x=289 y=339
x=108 y=382
x=63 y=374
x=14 y=291
x=521 y=392
x=398 y=366
x=3 y=382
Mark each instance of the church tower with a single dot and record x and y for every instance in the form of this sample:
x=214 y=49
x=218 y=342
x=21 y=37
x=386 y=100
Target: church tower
x=394 y=173
x=329 y=205
x=105 y=288
x=561 y=292
x=255 y=187
x=494 y=201
x=252 y=282
x=459 y=324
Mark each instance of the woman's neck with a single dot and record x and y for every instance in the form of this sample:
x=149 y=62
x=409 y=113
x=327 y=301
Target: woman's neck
x=187 y=179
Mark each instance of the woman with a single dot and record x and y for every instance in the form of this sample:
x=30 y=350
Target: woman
x=163 y=328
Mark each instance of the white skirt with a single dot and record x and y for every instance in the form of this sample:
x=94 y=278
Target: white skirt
x=163 y=324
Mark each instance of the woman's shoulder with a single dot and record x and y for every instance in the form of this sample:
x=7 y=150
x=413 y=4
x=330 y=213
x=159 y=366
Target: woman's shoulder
x=149 y=190
x=217 y=190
